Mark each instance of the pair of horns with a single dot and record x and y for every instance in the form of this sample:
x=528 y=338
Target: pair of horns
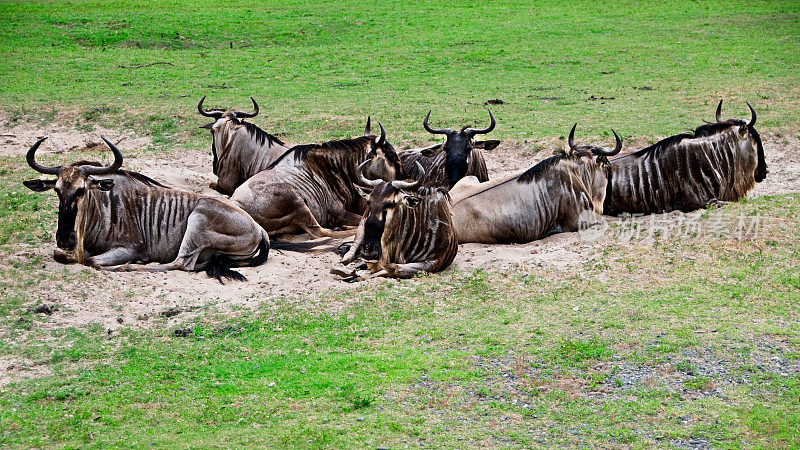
x=597 y=151
x=217 y=113
x=368 y=131
x=752 y=114
x=398 y=184
x=86 y=170
x=470 y=131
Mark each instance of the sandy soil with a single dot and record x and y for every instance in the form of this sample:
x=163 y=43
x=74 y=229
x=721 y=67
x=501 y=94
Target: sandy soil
x=154 y=300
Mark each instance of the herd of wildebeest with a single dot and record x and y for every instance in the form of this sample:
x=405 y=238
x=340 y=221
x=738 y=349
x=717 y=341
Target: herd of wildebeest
x=407 y=210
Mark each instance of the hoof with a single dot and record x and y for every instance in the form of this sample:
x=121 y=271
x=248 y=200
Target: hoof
x=63 y=257
x=343 y=271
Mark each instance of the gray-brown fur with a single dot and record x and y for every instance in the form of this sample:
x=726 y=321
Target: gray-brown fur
x=717 y=163
x=316 y=193
x=403 y=231
x=435 y=165
x=125 y=220
x=240 y=148
x=546 y=199
x=458 y=156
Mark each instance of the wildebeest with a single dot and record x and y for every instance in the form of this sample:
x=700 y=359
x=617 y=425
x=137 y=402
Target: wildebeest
x=119 y=220
x=717 y=163
x=459 y=156
x=240 y=148
x=405 y=229
x=546 y=199
x=317 y=192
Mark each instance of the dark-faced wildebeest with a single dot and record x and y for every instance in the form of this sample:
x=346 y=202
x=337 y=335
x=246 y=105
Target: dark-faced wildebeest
x=459 y=156
x=405 y=229
x=546 y=199
x=240 y=148
x=124 y=220
x=718 y=163
x=317 y=192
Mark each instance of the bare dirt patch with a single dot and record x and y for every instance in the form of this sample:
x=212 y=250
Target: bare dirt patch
x=13 y=369
x=139 y=300
x=16 y=140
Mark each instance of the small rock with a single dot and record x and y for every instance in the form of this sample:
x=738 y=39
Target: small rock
x=360 y=419
x=271 y=384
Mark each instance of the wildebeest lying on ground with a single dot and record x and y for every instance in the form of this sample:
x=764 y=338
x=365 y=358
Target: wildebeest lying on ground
x=240 y=148
x=546 y=199
x=125 y=219
x=459 y=156
x=317 y=192
x=718 y=163
x=405 y=229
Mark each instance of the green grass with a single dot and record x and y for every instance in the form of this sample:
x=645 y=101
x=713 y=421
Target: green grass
x=318 y=69
x=637 y=346
x=412 y=362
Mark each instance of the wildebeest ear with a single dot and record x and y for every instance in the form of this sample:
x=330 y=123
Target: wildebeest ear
x=412 y=200
x=364 y=192
x=39 y=185
x=486 y=145
x=208 y=126
x=104 y=185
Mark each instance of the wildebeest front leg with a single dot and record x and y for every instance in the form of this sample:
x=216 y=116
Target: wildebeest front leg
x=351 y=253
x=403 y=270
x=111 y=258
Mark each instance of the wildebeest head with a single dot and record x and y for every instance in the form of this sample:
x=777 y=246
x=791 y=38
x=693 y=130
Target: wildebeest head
x=599 y=154
x=597 y=159
x=383 y=199
x=223 y=120
x=71 y=185
x=383 y=162
x=747 y=130
x=458 y=146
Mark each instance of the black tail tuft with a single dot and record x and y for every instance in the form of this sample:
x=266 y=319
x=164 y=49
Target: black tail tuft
x=263 y=253
x=302 y=247
x=219 y=267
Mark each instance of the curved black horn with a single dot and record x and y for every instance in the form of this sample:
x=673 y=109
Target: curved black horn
x=94 y=170
x=752 y=115
x=474 y=131
x=571 y=138
x=31 y=157
x=411 y=185
x=362 y=179
x=368 y=128
x=434 y=130
x=215 y=113
x=617 y=149
x=719 y=111
x=245 y=115
x=382 y=139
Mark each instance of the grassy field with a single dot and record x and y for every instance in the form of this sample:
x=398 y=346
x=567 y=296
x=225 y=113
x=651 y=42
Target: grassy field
x=677 y=342
x=319 y=68
x=667 y=344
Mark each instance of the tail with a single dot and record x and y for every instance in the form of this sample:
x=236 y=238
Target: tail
x=303 y=247
x=262 y=252
x=219 y=266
